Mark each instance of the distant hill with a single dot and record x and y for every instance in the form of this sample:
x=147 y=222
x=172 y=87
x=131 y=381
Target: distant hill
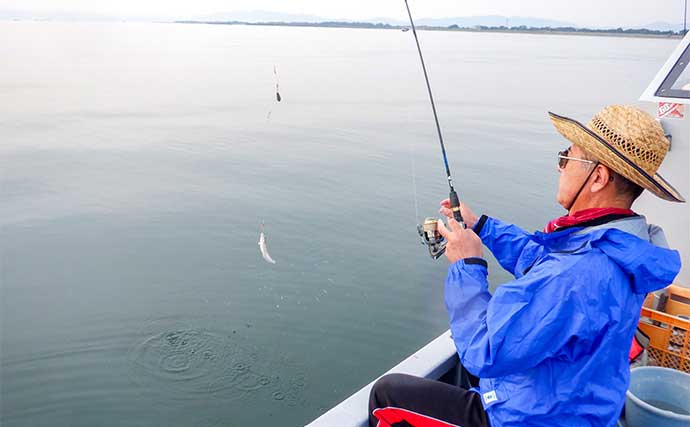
x=465 y=21
x=493 y=21
x=662 y=26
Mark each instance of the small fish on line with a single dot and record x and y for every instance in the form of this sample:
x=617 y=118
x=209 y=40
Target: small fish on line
x=275 y=75
x=263 y=248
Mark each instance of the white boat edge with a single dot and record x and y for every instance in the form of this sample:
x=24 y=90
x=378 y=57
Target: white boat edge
x=431 y=361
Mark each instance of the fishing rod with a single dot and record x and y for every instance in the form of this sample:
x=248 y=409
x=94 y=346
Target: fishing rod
x=429 y=230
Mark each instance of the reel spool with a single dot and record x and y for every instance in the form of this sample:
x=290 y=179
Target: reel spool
x=430 y=236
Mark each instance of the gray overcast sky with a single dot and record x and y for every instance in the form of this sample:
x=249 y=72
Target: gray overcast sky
x=580 y=12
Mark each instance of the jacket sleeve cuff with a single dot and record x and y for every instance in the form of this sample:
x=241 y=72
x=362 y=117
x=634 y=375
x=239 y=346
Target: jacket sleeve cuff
x=480 y=224
x=475 y=261
x=474 y=267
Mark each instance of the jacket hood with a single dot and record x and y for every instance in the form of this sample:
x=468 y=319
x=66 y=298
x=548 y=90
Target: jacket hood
x=639 y=249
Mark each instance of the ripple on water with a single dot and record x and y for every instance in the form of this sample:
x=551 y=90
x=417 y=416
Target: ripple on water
x=264 y=378
x=188 y=363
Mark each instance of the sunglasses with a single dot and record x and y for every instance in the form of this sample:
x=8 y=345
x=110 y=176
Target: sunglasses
x=563 y=159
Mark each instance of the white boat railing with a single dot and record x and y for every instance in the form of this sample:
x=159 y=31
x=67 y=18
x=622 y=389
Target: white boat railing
x=431 y=361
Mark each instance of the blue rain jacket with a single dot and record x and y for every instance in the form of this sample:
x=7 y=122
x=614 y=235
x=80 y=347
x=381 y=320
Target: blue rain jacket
x=551 y=347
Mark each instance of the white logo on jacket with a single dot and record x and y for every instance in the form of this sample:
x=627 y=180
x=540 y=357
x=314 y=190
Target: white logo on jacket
x=489 y=396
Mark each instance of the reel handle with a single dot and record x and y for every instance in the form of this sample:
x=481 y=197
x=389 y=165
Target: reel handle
x=455 y=207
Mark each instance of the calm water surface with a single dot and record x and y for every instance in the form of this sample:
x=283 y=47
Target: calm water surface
x=137 y=162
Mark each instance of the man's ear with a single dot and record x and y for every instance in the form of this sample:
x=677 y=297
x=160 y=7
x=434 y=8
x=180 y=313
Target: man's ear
x=602 y=178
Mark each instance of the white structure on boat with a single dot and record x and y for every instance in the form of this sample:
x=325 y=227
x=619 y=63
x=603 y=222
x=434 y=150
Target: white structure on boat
x=666 y=98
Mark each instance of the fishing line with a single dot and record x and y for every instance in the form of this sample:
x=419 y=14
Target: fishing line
x=278 y=97
x=414 y=183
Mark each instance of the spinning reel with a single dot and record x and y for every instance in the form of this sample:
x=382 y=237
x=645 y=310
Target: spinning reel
x=430 y=236
x=429 y=233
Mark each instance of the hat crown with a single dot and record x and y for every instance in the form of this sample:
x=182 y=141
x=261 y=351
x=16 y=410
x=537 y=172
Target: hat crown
x=628 y=141
x=634 y=134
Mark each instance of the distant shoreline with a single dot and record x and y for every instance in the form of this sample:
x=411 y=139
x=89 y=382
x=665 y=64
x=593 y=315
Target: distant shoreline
x=563 y=31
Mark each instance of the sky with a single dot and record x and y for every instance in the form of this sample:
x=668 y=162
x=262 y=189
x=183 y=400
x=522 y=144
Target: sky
x=580 y=12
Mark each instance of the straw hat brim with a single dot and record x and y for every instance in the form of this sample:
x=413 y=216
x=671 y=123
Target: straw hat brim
x=608 y=155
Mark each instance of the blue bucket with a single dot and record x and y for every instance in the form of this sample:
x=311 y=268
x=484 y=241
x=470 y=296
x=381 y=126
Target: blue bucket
x=658 y=397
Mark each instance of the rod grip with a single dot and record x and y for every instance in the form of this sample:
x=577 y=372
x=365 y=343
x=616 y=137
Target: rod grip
x=455 y=207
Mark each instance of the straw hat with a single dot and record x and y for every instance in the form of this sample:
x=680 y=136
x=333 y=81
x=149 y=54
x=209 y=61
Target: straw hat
x=627 y=140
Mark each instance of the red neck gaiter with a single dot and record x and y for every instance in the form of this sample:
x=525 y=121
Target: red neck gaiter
x=582 y=216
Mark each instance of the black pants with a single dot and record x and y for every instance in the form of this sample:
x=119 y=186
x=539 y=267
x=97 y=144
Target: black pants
x=445 y=402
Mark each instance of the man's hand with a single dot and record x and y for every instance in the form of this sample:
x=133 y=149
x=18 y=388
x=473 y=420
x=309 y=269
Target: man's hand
x=461 y=242
x=467 y=215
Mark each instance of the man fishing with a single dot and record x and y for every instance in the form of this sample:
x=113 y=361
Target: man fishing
x=551 y=347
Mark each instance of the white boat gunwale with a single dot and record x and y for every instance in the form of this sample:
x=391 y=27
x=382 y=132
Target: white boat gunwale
x=433 y=361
